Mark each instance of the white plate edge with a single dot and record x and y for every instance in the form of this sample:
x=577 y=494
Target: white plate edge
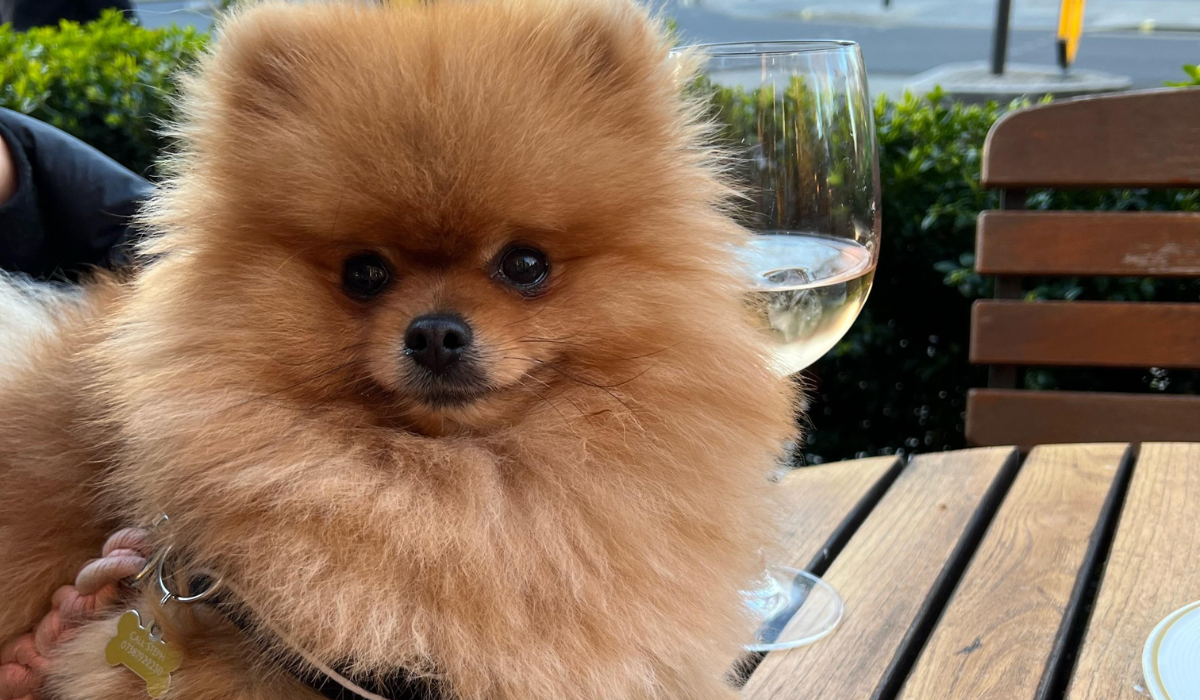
x=1153 y=682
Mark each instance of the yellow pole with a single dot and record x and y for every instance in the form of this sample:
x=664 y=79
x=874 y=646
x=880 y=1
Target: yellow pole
x=1070 y=28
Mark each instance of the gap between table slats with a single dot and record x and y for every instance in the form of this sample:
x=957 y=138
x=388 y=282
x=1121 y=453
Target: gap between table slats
x=1150 y=572
x=1069 y=639
x=820 y=562
x=943 y=588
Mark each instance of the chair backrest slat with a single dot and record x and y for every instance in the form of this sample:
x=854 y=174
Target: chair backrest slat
x=1028 y=418
x=1155 y=244
x=1137 y=139
x=1085 y=334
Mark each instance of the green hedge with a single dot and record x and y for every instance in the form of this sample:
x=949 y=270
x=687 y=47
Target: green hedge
x=108 y=82
x=898 y=380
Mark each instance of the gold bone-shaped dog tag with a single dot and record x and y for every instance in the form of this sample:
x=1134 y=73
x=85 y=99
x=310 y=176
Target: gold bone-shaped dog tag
x=153 y=660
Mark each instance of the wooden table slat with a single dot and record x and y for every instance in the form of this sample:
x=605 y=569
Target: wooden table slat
x=902 y=557
x=1002 y=625
x=820 y=499
x=1151 y=571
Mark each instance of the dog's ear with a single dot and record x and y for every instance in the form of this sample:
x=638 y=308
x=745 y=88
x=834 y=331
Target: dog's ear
x=601 y=44
x=616 y=42
x=263 y=53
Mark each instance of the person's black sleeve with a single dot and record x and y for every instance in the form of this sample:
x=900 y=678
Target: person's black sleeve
x=26 y=14
x=73 y=204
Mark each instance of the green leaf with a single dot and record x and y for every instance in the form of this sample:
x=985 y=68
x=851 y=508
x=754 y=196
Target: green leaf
x=1193 y=73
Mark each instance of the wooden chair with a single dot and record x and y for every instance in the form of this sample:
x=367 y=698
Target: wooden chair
x=1138 y=139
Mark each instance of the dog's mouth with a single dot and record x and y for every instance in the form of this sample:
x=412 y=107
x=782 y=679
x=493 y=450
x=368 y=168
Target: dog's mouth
x=454 y=389
x=451 y=397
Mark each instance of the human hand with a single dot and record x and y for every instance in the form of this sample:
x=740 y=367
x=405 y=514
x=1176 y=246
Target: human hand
x=8 y=173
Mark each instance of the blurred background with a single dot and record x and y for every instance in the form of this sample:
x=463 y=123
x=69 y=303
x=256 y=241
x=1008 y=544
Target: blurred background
x=898 y=381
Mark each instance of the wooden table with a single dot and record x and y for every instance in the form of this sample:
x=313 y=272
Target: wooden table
x=984 y=574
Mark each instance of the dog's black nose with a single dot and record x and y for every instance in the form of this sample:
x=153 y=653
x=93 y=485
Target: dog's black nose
x=437 y=341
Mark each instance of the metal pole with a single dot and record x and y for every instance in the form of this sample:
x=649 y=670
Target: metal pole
x=1000 y=38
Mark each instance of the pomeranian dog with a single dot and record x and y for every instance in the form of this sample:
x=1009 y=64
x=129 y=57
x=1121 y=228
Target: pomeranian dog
x=437 y=355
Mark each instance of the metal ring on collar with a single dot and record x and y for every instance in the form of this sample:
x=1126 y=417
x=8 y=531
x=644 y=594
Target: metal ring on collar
x=169 y=595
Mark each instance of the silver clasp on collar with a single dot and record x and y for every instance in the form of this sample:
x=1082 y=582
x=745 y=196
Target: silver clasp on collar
x=168 y=595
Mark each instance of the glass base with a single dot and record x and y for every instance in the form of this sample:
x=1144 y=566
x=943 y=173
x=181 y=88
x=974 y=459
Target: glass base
x=792 y=608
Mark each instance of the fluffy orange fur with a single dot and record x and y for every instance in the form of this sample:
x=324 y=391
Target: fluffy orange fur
x=579 y=531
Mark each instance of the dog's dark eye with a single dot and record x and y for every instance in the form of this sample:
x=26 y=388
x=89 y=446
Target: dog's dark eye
x=524 y=266
x=365 y=275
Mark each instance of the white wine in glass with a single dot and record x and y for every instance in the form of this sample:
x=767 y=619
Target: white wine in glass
x=807 y=289
x=797 y=120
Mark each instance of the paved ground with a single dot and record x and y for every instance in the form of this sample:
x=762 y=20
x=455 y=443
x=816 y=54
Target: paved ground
x=160 y=13
x=1026 y=14
x=895 y=53
x=914 y=36
x=899 y=46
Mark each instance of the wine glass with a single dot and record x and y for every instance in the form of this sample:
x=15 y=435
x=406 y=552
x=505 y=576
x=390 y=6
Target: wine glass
x=798 y=121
